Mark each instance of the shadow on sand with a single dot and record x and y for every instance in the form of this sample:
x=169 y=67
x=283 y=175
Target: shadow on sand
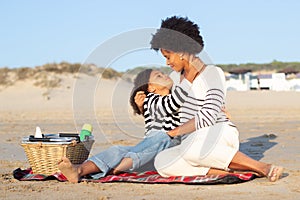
x=255 y=147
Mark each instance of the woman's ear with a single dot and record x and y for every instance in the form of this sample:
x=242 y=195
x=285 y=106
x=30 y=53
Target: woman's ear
x=151 y=88
x=183 y=56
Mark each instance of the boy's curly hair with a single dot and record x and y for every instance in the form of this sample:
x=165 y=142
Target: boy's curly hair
x=178 y=34
x=140 y=84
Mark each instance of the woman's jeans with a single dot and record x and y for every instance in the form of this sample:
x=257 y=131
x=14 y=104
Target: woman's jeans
x=142 y=154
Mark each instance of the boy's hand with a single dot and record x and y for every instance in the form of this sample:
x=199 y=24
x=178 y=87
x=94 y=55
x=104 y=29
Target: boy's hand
x=139 y=100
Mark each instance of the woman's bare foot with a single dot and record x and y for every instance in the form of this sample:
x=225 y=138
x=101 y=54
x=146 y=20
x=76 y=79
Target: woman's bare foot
x=275 y=173
x=68 y=170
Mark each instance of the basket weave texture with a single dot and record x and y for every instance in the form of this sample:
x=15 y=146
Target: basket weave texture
x=44 y=157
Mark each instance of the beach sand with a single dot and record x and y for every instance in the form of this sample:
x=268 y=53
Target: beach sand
x=269 y=125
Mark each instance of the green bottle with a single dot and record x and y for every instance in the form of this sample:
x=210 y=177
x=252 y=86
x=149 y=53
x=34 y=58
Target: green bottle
x=85 y=131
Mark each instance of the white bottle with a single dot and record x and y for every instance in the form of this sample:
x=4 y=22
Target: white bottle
x=38 y=132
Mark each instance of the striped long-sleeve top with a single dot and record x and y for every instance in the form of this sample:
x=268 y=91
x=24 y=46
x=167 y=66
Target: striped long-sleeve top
x=162 y=112
x=206 y=99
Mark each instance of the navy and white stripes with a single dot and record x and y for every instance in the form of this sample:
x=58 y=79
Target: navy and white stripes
x=161 y=112
x=207 y=99
x=202 y=100
x=208 y=115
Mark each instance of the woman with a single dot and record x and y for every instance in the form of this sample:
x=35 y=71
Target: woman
x=212 y=140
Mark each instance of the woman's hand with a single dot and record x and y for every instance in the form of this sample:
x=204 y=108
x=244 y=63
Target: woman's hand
x=196 y=62
x=186 y=128
x=173 y=133
x=139 y=100
x=226 y=113
x=197 y=66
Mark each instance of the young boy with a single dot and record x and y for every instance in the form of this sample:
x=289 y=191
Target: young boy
x=160 y=111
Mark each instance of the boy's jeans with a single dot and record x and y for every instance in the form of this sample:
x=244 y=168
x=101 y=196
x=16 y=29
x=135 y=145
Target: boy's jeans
x=142 y=154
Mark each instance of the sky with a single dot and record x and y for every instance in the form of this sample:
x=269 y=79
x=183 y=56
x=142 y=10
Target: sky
x=116 y=33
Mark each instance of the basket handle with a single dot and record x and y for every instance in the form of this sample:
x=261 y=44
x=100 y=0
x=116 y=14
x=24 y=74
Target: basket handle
x=70 y=135
x=33 y=139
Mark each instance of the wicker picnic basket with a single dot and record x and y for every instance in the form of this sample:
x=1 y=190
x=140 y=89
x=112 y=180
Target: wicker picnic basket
x=44 y=157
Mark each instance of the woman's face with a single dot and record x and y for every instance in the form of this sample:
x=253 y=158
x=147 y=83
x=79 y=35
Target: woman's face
x=159 y=80
x=173 y=60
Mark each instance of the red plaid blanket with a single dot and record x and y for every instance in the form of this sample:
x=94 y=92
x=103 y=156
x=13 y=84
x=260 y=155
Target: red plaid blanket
x=145 y=177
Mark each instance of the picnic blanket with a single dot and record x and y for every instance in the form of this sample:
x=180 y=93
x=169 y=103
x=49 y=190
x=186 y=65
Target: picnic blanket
x=145 y=177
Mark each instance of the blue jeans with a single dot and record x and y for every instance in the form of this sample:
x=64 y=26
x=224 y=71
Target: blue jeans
x=142 y=154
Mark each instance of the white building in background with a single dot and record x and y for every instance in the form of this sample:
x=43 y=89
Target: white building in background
x=275 y=82
x=239 y=82
x=279 y=82
x=294 y=83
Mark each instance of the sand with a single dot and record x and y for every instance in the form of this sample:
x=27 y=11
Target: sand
x=269 y=125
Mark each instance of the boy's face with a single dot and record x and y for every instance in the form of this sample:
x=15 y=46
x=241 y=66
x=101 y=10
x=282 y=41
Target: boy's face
x=160 y=81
